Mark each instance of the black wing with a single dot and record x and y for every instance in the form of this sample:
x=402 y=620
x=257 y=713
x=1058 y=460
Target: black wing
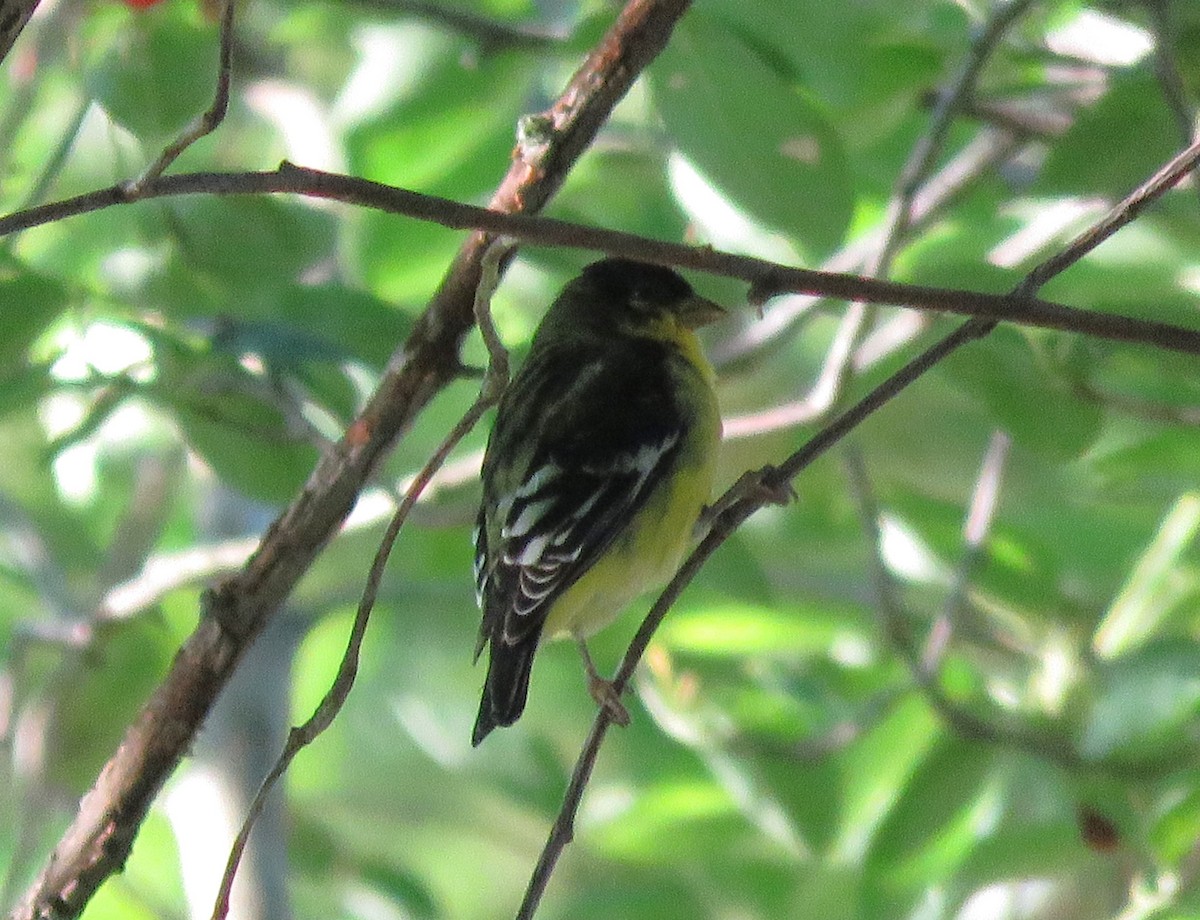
x=606 y=435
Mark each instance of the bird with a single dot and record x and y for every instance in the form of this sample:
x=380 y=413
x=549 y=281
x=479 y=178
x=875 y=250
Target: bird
x=597 y=469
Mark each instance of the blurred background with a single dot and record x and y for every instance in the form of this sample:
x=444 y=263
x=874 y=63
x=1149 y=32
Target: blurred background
x=1011 y=732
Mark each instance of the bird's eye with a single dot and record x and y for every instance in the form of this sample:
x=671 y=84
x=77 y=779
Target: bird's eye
x=643 y=301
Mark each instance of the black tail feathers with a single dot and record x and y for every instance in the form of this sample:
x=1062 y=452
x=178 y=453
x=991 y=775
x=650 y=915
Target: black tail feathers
x=506 y=686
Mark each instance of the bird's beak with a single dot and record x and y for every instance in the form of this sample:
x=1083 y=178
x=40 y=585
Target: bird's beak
x=698 y=311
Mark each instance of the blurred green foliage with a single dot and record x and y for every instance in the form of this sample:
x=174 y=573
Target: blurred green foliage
x=783 y=760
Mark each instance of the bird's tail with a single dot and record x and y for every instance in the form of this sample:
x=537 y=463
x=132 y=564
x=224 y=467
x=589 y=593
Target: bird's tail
x=506 y=686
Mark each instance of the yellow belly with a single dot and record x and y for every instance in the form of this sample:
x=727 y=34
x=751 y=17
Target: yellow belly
x=646 y=554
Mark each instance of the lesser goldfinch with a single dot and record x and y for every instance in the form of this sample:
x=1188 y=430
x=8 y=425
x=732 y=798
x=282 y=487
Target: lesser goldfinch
x=596 y=471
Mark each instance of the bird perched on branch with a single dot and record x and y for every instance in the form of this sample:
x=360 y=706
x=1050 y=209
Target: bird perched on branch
x=598 y=466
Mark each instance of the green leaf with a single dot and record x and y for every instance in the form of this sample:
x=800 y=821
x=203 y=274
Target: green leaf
x=28 y=303
x=351 y=320
x=247 y=443
x=1154 y=585
x=451 y=132
x=119 y=902
x=1034 y=850
x=99 y=697
x=451 y=136
x=160 y=74
x=251 y=244
x=877 y=768
x=403 y=260
x=761 y=141
x=1142 y=271
x=403 y=890
x=701 y=811
x=933 y=822
x=602 y=896
x=233 y=419
x=873 y=56
x=739 y=630
x=1186 y=26
x=1035 y=407
x=1175 y=833
x=153 y=869
x=621 y=188
x=1097 y=155
x=1144 y=701
x=930 y=827
x=824 y=891
x=1150 y=462
x=329 y=388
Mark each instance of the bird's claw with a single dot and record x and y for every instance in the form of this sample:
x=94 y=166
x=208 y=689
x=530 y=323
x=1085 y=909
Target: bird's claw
x=608 y=699
x=603 y=692
x=771 y=488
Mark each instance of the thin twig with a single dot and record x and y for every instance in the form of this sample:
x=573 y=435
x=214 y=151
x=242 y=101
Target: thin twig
x=898 y=217
x=492 y=34
x=976 y=528
x=203 y=124
x=922 y=158
x=929 y=146
x=1148 y=192
x=494 y=381
x=167 y=572
x=977 y=158
x=740 y=501
x=766 y=278
x=757 y=488
x=100 y=837
x=1045 y=744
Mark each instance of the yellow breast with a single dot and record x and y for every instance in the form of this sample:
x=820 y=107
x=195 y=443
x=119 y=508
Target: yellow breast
x=649 y=550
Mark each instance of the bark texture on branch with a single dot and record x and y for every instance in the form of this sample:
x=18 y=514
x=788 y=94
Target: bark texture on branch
x=13 y=16
x=101 y=836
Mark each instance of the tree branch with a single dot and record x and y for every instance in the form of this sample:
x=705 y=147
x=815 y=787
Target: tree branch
x=826 y=393
x=13 y=16
x=770 y=484
x=494 y=381
x=99 y=839
x=765 y=278
x=206 y=122
x=492 y=34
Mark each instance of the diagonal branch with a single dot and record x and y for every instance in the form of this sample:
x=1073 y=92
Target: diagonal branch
x=13 y=16
x=760 y=487
x=494 y=381
x=898 y=219
x=101 y=836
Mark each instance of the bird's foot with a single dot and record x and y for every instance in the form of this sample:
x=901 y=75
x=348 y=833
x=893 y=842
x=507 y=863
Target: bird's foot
x=606 y=695
x=608 y=699
x=763 y=486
